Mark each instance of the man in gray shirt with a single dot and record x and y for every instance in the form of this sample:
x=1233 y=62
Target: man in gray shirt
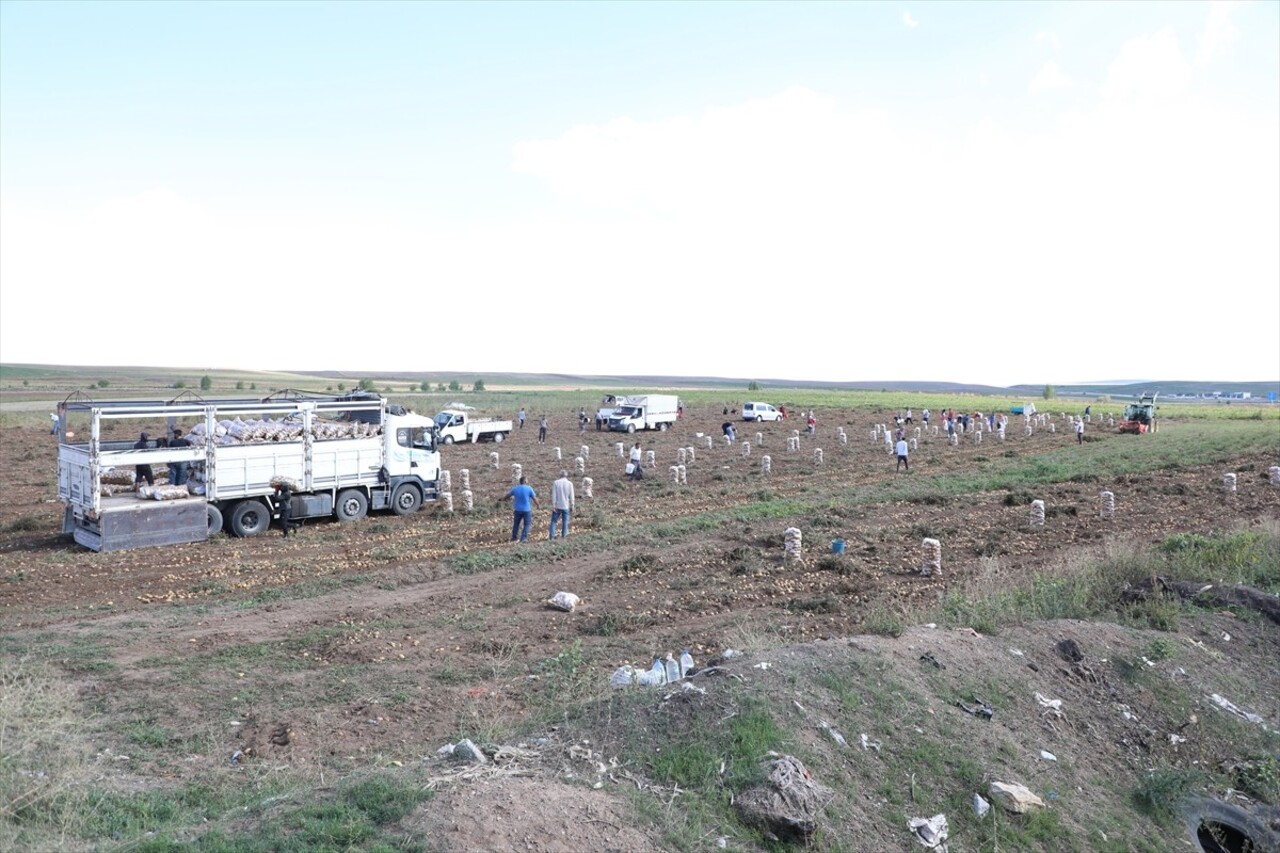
x=562 y=499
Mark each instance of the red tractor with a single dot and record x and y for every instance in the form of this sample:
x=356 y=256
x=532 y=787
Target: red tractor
x=1140 y=417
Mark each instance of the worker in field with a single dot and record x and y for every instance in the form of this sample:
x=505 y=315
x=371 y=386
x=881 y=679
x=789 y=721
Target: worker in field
x=901 y=450
x=144 y=472
x=1079 y=430
x=520 y=417
x=523 y=499
x=542 y=430
x=178 y=470
x=634 y=463
x=562 y=500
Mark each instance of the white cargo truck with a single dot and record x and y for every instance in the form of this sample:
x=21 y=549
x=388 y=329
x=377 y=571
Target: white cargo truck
x=341 y=457
x=645 y=411
x=456 y=425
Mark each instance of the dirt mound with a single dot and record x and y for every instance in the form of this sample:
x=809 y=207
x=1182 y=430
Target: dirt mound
x=541 y=815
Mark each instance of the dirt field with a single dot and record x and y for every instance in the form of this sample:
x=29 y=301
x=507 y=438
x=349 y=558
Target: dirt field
x=380 y=640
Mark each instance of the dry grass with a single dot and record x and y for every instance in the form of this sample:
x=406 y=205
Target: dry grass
x=45 y=756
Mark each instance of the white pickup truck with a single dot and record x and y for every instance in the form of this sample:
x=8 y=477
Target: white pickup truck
x=453 y=425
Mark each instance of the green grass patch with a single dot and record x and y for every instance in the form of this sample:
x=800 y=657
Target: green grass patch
x=146 y=733
x=1162 y=791
x=362 y=815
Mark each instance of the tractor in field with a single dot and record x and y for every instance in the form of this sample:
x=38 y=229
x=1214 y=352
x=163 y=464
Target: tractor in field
x=1140 y=417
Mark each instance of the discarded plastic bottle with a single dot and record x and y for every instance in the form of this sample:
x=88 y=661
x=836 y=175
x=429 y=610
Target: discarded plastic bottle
x=657 y=673
x=686 y=663
x=673 y=669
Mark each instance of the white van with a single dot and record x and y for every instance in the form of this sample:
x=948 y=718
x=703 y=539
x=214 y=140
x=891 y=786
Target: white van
x=760 y=412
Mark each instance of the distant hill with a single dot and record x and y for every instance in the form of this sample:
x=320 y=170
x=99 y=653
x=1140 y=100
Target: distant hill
x=124 y=376
x=1165 y=388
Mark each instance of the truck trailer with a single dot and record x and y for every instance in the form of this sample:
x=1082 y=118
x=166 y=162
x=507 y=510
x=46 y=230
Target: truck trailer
x=339 y=456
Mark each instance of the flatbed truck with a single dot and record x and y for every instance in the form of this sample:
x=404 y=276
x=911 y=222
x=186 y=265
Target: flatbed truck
x=341 y=456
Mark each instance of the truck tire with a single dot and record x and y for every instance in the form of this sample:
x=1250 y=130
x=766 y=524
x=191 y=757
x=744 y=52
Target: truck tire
x=448 y=439
x=249 y=518
x=215 y=519
x=759 y=419
x=662 y=427
x=631 y=427
x=498 y=437
x=352 y=505
x=406 y=499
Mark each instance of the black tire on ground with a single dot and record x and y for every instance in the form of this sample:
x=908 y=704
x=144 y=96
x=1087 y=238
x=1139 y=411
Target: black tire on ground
x=448 y=439
x=351 y=505
x=662 y=427
x=631 y=427
x=406 y=499
x=759 y=419
x=498 y=437
x=1219 y=826
x=215 y=519
x=249 y=518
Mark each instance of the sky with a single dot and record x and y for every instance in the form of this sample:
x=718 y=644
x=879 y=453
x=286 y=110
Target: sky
x=995 y=193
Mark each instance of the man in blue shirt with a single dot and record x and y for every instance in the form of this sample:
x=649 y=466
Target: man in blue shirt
x=524 y=499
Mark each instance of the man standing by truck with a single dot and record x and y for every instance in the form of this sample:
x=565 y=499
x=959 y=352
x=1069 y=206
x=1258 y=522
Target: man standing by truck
x=284 y=499
x=523 y=499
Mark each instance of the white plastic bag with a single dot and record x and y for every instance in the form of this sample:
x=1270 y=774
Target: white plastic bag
x=565 y=601
x=623 y=676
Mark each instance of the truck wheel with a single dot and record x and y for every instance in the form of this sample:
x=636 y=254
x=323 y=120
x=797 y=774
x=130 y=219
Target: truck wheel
x=662 y=427
x=352 y=505
x=448 y=439
x=249 y=518
x=406 y=499
x=498 y=437
x=759 y=419
x=215 y=519
x=631 y=427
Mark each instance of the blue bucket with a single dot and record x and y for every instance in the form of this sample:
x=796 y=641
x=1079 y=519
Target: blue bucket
x=837 y=546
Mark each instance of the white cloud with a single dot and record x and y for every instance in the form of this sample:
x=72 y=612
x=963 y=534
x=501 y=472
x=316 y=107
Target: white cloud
x=1219 y=32
x=879 y=246
x=1050 y=76
x=1148 y=67
x=1050 y=37
x=908 y=21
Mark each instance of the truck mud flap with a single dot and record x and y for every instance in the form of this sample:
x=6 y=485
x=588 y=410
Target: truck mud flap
x=144 y=524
